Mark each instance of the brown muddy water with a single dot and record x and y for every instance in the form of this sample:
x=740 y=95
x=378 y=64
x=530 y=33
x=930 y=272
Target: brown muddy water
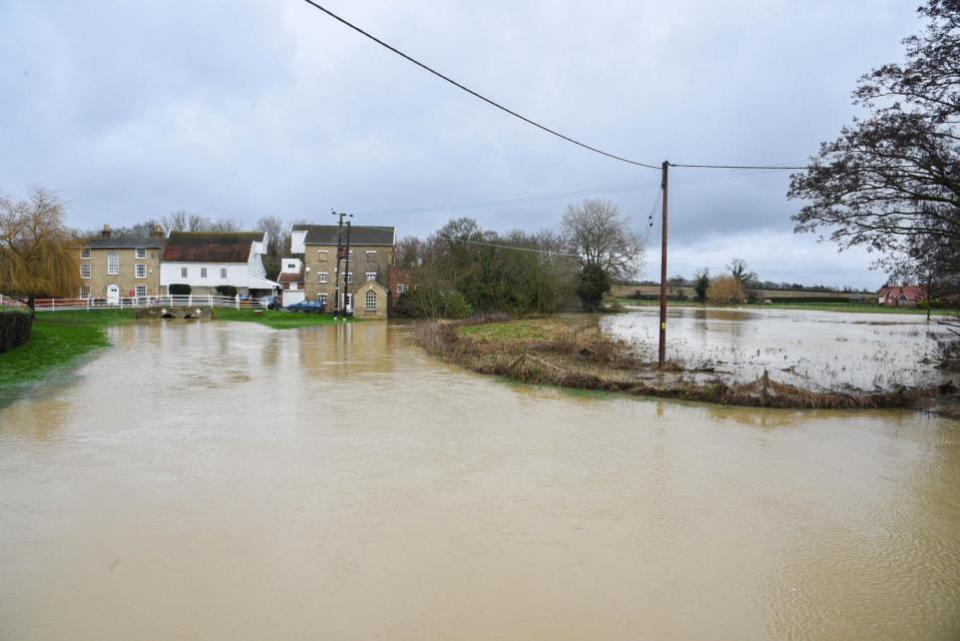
x=819 y=350
x=227 y=481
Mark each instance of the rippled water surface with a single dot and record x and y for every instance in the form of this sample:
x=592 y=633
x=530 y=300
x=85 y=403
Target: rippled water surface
x=219 y=481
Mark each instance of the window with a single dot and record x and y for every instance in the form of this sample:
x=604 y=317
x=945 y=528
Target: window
x=350 y=255
x=291 y=266
x=183 y=272
x=141 y=270
x=85 y=270
x=84 y=292
x=141 y=291
x=371 y=301
x=140 y=253
x=322 y=255
x=350 y=277
x=323 y=298
x=223 y=272
x=401 y=287
x=85 y=252
x=322 y=277
x=203 y=272
x=371 y=276
x=348 y=300
x=371 y=256
x=113 y=264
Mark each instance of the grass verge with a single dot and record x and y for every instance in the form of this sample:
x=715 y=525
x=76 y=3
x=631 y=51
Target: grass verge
x=59 y=339
x=275 y=318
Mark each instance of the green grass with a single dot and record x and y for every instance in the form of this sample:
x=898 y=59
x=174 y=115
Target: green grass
x=58 y=341
x=275 y=318
x=839 y=306
x=520 y=330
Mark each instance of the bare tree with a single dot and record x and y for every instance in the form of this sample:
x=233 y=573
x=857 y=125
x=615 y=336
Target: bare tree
x=37 y=252
x=278 y=242
x=597 y=233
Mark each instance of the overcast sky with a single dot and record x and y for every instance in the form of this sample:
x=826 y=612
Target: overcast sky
x=132 y=110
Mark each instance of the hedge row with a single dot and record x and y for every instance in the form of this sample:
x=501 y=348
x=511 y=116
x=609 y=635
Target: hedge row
x=15 y=330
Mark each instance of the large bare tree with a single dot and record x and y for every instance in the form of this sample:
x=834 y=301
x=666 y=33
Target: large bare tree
x=891 y=180
x=601 y=237
x=38 y=254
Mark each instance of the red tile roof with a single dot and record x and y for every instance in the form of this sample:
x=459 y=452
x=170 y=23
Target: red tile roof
x=210 y=247
x=289 y=278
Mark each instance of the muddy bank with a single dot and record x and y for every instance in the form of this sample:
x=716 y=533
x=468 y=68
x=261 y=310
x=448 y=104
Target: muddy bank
x=580 y=356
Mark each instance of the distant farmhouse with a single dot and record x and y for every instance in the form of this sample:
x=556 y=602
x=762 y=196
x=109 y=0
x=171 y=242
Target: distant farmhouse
x=208 y=260
x=365 y=284
x=111 y=268
x=906 y=296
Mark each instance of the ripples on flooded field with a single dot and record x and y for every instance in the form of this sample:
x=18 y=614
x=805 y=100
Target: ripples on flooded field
x=817 y=350
x=226 y=481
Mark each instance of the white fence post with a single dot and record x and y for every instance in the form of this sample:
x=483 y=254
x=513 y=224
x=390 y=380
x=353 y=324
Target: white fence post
x=236 y=301
x=53 y=304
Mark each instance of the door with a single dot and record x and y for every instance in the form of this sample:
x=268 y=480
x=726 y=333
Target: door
x=113 y=295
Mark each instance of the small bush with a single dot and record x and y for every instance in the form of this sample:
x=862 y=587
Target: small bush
x=180 y=289
x=15 y=329
x=427 y=302
x=226 y=290
x=726 y=291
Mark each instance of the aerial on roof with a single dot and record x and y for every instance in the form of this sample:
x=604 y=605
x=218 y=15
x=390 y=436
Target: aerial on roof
x=359 y=234
x=210 y=247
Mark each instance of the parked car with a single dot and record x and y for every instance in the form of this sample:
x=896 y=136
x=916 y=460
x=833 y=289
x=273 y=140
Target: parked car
x=307 y=307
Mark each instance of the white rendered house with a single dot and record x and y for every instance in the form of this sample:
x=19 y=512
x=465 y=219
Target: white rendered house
x=207 y=260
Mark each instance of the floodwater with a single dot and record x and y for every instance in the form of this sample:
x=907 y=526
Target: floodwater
x=819 y=350
x=220 y=481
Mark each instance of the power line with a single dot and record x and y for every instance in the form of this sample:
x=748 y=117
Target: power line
x=501 y=246
x=692 y=166
x=474 y=93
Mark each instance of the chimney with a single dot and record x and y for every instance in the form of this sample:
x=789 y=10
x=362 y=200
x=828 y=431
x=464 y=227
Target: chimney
x=158 y=231
x=106 y=231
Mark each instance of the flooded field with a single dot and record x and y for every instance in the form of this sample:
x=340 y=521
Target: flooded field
x=812 y=349
x=216 y=481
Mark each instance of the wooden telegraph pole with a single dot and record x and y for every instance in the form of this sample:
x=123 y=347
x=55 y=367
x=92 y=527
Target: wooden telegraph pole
x=663 y=266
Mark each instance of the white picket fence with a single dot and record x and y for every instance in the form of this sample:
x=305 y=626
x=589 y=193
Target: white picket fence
x=134 y=302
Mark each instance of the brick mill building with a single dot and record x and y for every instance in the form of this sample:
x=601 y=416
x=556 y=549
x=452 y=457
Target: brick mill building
x=113 y=268
x=365 y=284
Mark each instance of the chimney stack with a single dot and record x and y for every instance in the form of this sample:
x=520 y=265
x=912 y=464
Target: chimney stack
x=106 y=231
x=158 y=231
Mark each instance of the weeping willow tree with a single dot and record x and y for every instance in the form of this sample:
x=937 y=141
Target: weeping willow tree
x=37 y=252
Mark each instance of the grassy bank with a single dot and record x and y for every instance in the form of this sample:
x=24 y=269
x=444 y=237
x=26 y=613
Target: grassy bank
x=579 y=356
x=275 y=318
x=59 y=340
x=840 y=306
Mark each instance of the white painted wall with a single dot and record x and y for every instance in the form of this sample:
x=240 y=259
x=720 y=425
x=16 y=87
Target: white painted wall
x=238 y=274
x=298 y=242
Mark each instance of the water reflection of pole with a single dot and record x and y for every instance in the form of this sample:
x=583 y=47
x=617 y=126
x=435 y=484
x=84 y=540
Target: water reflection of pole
x=663 y=268
x=348 y=278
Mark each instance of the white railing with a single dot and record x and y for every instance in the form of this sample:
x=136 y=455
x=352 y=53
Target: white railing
x=142 y=302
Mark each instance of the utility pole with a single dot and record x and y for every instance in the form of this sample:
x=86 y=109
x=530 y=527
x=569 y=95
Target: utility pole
x=347 y=278
x=664 y=184
x=336 y=277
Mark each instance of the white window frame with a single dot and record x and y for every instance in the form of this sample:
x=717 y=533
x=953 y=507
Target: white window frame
x=348 y=300
x=371 y=276
x=183 y=272
x=85 y=253
x=141 y=271
x=323 y=278
x=401 y=287
x=140 y=253
x=139 y=289
x=322 y=298
x=203 y=272
x=323 y=255
x=368 y=306
x=223 y=273
x=113 y=264
x=85 y=291
x=349 y=277
x=86 y=271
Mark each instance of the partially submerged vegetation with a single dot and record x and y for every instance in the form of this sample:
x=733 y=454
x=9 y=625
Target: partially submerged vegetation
x=275 y=318
x=839 y=306
x=578 y=355
x=59 y=340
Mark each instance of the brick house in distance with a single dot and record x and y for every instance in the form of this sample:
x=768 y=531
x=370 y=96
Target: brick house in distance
x=114 y=268
x=906 y=296
x=366 y=284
